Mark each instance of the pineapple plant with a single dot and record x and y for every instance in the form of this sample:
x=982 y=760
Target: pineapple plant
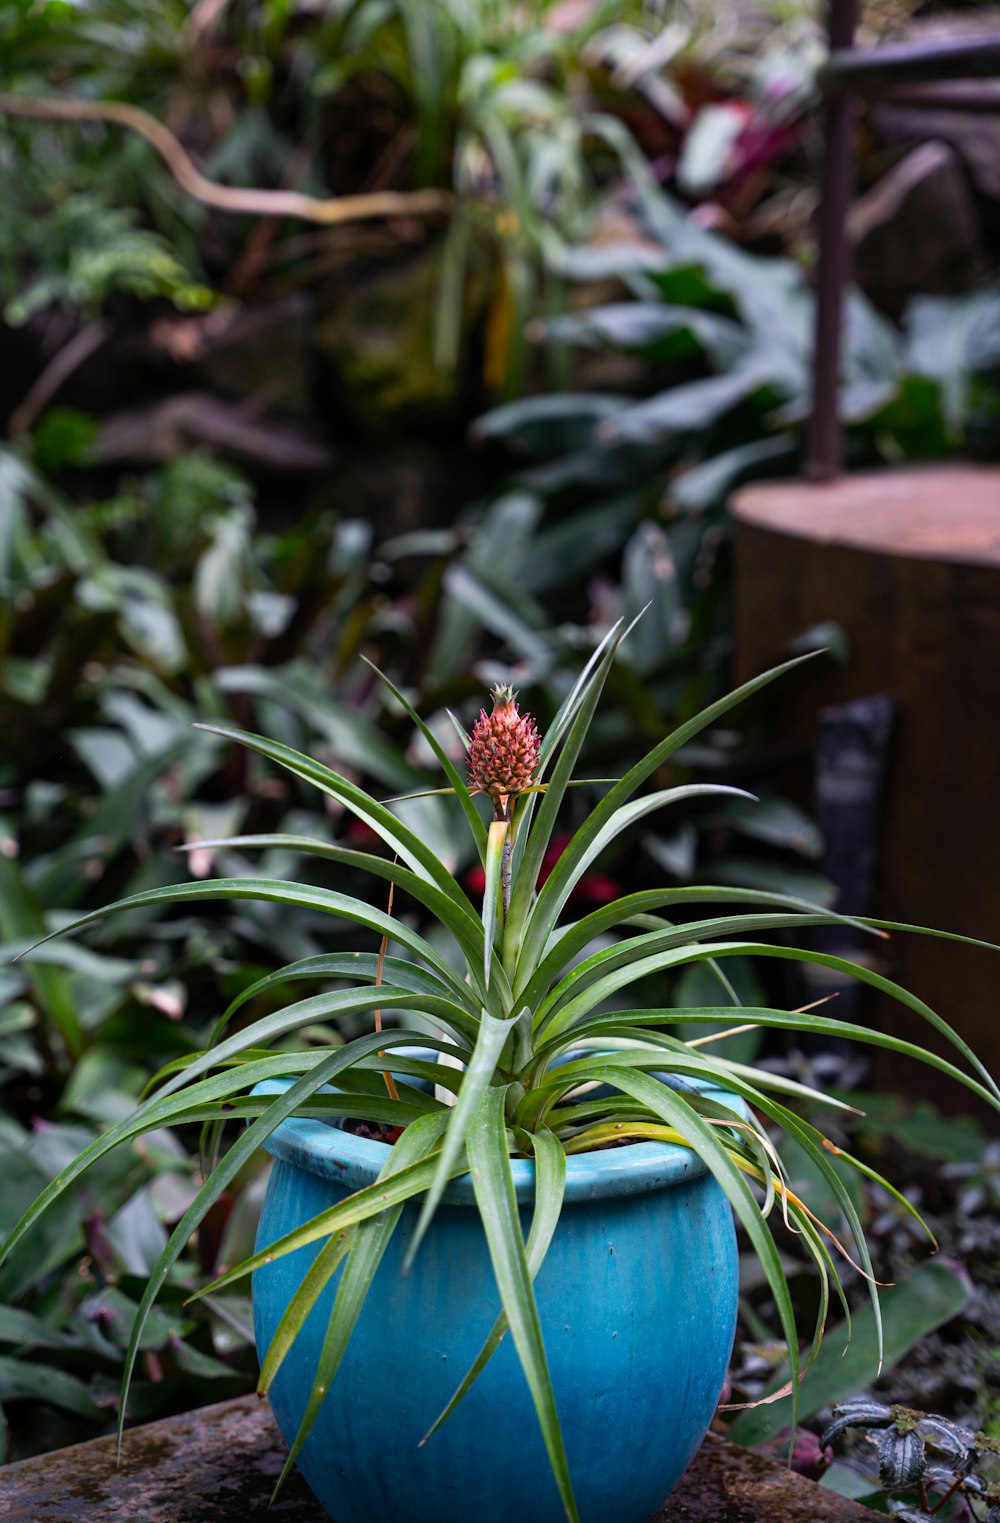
x=503 y=751
x=544 y=1070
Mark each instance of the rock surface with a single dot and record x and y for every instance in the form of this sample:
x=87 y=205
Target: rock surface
x=377 y=340
x=219 y=1464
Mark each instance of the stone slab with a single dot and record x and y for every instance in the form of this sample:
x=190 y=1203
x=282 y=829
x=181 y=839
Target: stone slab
x=218 y=1465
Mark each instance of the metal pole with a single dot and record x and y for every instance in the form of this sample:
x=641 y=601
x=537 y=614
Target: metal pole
x=870 y=71
x=824 y=440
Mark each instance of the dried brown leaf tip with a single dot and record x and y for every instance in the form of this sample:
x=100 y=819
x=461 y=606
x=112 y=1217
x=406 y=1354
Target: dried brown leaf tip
x=503 y=749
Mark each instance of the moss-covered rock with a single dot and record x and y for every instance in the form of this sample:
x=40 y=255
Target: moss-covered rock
x=376 y=343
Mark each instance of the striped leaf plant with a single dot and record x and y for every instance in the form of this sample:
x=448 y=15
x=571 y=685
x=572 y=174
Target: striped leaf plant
x=540 y=1066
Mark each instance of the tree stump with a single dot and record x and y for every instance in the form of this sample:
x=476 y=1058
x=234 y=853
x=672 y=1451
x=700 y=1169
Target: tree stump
x=908 y=564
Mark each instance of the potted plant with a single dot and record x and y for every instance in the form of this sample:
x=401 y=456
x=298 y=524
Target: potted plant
x=567 y=1175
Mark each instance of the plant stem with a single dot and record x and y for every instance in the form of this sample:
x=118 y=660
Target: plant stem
x=944 y=1500
x=390 y=1082
x=523 y=1050
x=505 y=877
x=503 y=809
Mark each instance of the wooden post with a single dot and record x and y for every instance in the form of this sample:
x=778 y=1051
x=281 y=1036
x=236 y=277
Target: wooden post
x=908 y=564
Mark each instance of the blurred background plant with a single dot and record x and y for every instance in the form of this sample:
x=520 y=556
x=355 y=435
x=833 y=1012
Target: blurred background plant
x=246 y=450
x=937 y=1465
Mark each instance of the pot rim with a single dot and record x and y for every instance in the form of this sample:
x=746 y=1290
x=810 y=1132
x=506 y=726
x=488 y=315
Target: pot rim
x=328 y=1152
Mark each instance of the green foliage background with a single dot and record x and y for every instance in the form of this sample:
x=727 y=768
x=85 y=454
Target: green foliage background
x=611 y=370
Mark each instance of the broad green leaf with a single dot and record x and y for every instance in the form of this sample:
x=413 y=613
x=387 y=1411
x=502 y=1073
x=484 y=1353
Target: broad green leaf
x=643 y=326
x=929 y=1297
x=709 y=483
x=695 y=406
x=21 y=916
x=21 y=1380
x=161 y=1110
x=542 y=422
x=28 y=1331
x=301 y=686
x=943 y=335
x=704 y=161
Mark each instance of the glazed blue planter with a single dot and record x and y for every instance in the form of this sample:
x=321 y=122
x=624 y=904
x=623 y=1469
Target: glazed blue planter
x=637 y=1298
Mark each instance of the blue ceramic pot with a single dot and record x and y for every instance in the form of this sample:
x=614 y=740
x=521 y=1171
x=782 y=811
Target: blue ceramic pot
x=638 y=1305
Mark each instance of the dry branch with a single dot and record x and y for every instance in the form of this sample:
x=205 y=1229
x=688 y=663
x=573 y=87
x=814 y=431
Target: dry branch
x=329 y=211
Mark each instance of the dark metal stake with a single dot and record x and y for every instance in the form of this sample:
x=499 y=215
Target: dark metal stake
x=851 y=755
x=824 y=439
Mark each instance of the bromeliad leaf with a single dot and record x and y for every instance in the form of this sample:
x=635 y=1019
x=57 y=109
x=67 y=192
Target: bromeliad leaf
x=167 y=1110
x=424 y=892
x=455 y=778
x=281 y=1107
x=479 y=1074
x=496 y=846
x=297 y=895
x=537 y=839
x=564 y=879
x=605 y=809
x=567 y=942
x=403 y=1186
x=703 y=1140
x=364 y=1254
x=550 y=1187
x=489 y=1163
x=398 y=836
x=352 y=965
